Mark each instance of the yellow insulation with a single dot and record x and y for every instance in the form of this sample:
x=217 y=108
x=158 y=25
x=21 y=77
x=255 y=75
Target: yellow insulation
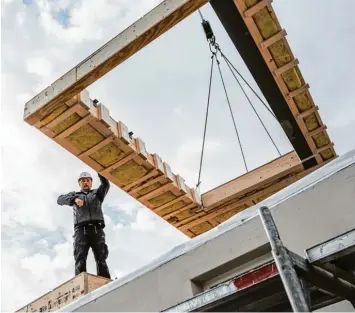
x=85 y=138
x=162 y=199
x=58 y=110
x=302 y=101
x=293 y=79
x=150 y=188
x=108 y=155
x=184 y=214
x=266 y=24
x=172 y=208
x=311 y=122
x=321 y=140
x=281 y=55
x=129 y=172
x=327 y=154
x=224 y=216
x=70 y=121
x=250 y=3
x=201 y=228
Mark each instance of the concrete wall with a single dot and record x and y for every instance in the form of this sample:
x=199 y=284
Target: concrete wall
x=313 y=215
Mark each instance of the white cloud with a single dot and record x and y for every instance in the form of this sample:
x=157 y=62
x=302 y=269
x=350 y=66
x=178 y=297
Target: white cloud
x=85 y=23
x=39 y=66
x=20 y=18
x=144 y=221
x=160 y=100
x=178 y=111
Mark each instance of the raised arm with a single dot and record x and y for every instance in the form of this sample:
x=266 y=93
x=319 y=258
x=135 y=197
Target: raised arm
x=104 y=187
x=67 y=199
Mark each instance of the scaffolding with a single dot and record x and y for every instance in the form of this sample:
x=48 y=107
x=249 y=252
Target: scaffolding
x=289 y=282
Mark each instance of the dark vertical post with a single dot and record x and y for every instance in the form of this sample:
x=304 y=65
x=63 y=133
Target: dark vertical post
x=284 y=264
x=235 y=27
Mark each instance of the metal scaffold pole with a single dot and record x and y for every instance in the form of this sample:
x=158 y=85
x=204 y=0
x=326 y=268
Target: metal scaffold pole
x=289 y=277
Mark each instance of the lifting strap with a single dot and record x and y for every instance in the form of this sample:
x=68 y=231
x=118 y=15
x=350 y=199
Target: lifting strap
x=215 y=49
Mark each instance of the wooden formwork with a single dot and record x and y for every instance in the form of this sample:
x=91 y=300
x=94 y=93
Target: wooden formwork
x=87 y=130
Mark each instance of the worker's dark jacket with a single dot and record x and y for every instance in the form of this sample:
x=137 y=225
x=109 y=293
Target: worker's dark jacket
x=91 y=211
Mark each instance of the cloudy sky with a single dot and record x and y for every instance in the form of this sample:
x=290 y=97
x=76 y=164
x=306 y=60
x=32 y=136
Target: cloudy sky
x=160 y=94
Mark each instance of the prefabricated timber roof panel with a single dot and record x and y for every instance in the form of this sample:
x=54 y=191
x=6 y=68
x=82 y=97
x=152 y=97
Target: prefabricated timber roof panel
x=87 y=130
x=261 y=41
x=257 y=34
x=65 y=113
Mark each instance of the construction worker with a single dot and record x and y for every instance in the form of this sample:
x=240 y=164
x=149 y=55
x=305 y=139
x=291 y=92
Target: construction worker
x=88 y=223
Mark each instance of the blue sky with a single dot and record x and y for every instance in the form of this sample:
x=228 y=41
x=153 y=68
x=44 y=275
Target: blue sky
x=63 y=16
x=59 y=14
x=159 y=93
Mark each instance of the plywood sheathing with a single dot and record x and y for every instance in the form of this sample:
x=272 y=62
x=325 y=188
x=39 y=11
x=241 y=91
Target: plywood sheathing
x=91 y=134
x=270 y=38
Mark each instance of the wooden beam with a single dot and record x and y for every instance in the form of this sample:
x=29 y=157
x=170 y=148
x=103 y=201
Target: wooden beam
x=289 y=163
x=296 y=92
x=148 y=28
x=286 y=67
x=330 y=146
x=243 y=202
x=308 y=112
x=257 y=7
x=268 y=42
x=316 y=131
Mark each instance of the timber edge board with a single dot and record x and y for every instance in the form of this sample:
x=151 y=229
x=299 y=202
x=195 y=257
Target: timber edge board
x=65 y=293
x=86 y=130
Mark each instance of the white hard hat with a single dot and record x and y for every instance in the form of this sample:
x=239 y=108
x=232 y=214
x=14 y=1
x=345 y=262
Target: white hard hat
x=84 y=175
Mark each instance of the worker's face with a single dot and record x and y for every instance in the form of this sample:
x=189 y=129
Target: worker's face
x=85 y=184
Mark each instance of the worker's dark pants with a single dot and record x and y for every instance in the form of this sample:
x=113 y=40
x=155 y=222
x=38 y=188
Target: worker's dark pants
x=94 y=237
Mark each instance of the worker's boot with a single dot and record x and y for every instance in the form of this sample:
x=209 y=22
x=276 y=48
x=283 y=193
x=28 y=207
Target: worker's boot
x=102 y=269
